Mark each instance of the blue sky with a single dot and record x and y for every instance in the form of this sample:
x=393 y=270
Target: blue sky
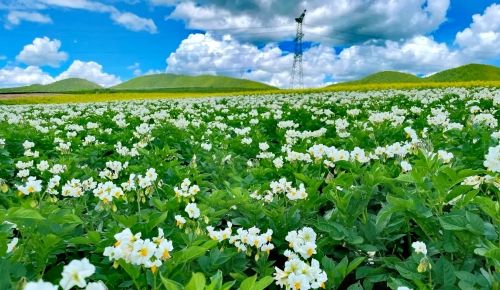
x=110 y=41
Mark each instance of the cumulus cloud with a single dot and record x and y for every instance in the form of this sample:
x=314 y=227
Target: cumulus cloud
x=15 y=18
x=128 y=20
x=133 y=22
x=163 y=2
x=16 y=76
x=205 y=53
x=481 y=40
x=353 y=21
x=91 y=71
x=42 y=52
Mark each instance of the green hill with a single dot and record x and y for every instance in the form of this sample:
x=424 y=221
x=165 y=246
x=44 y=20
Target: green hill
x=190 y=83
x=387 y=77
x=62 y=86
x=465 y=73
x=470 y=72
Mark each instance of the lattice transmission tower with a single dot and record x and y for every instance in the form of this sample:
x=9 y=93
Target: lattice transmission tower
x=297 y=80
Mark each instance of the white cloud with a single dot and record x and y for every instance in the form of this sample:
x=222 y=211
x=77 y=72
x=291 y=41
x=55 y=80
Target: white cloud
x=16 y=76
x=133 y=22
x=41 y=52
x=481 y=40
x=163 y=2
x=91 y=71
x=128 y=20
x=204 y=53
x=344 y=21
x=15 y=18
x=418 y=55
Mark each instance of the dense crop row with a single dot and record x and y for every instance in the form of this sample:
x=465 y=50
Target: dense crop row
x=330 y=190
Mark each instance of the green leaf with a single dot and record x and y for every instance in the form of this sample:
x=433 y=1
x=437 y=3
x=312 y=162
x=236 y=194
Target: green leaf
x=20 y=213
x=251 y=283
x=171 y=284
x=444 y=273
x=453 y=222
x=197 y=282
x=354 y=264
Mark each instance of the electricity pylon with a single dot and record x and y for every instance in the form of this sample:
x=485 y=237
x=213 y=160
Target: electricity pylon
x=297 y=80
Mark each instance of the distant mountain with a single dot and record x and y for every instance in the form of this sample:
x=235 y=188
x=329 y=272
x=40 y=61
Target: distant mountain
x=190 y=83
x=465 y=73
x=62 y=86
x=470 y=72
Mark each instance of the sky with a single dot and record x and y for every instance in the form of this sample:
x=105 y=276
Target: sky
x=111 y=41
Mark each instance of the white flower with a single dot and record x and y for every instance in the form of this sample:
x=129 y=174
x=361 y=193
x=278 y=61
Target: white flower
x=406 y=166
x=492 y=159
x=31 y=186
x=179 y=220
x=192 y=210
x=96 y=286
x=40 y=285
x=419 y=247
x=445 y=156
x=12 y=245
x=75 y=273
x=43 y=165
x=403 y=288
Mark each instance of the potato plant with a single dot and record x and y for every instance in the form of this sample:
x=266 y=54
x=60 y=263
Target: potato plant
x=393 y=189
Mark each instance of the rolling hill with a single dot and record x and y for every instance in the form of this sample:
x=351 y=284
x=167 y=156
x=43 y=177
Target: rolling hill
x=465 y=73
x=202 y=82
x=62 y=86
x=470 y=72
x=387 y=77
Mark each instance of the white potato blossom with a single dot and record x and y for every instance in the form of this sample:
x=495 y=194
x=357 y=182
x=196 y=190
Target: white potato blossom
x=12 y=245
x=107 y=191
x=186 y=189
x=149 y=253
x=40 y=285
x=406 y=166
x=282 y=186
x=419 y=247
x=179 y=220
x=445 y=156
x=192 y=210
x=32 y=185
x=75 y=273
x=243 y=239
x=492 y=159
x=298 y=273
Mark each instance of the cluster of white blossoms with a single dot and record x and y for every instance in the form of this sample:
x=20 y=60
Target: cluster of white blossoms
x=492 y=159
x=149 y=253
x=303 y=242
x=112 y=170
x=297 y=273
x=75 y=187
x=284 y=186
x=244 y=240
x=186 y=189
x=73 y=274
x=27 y=145
x=145 y=181
x=107 y=191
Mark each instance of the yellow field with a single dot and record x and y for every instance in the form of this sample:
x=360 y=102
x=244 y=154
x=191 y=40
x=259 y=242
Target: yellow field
x=106 y=97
